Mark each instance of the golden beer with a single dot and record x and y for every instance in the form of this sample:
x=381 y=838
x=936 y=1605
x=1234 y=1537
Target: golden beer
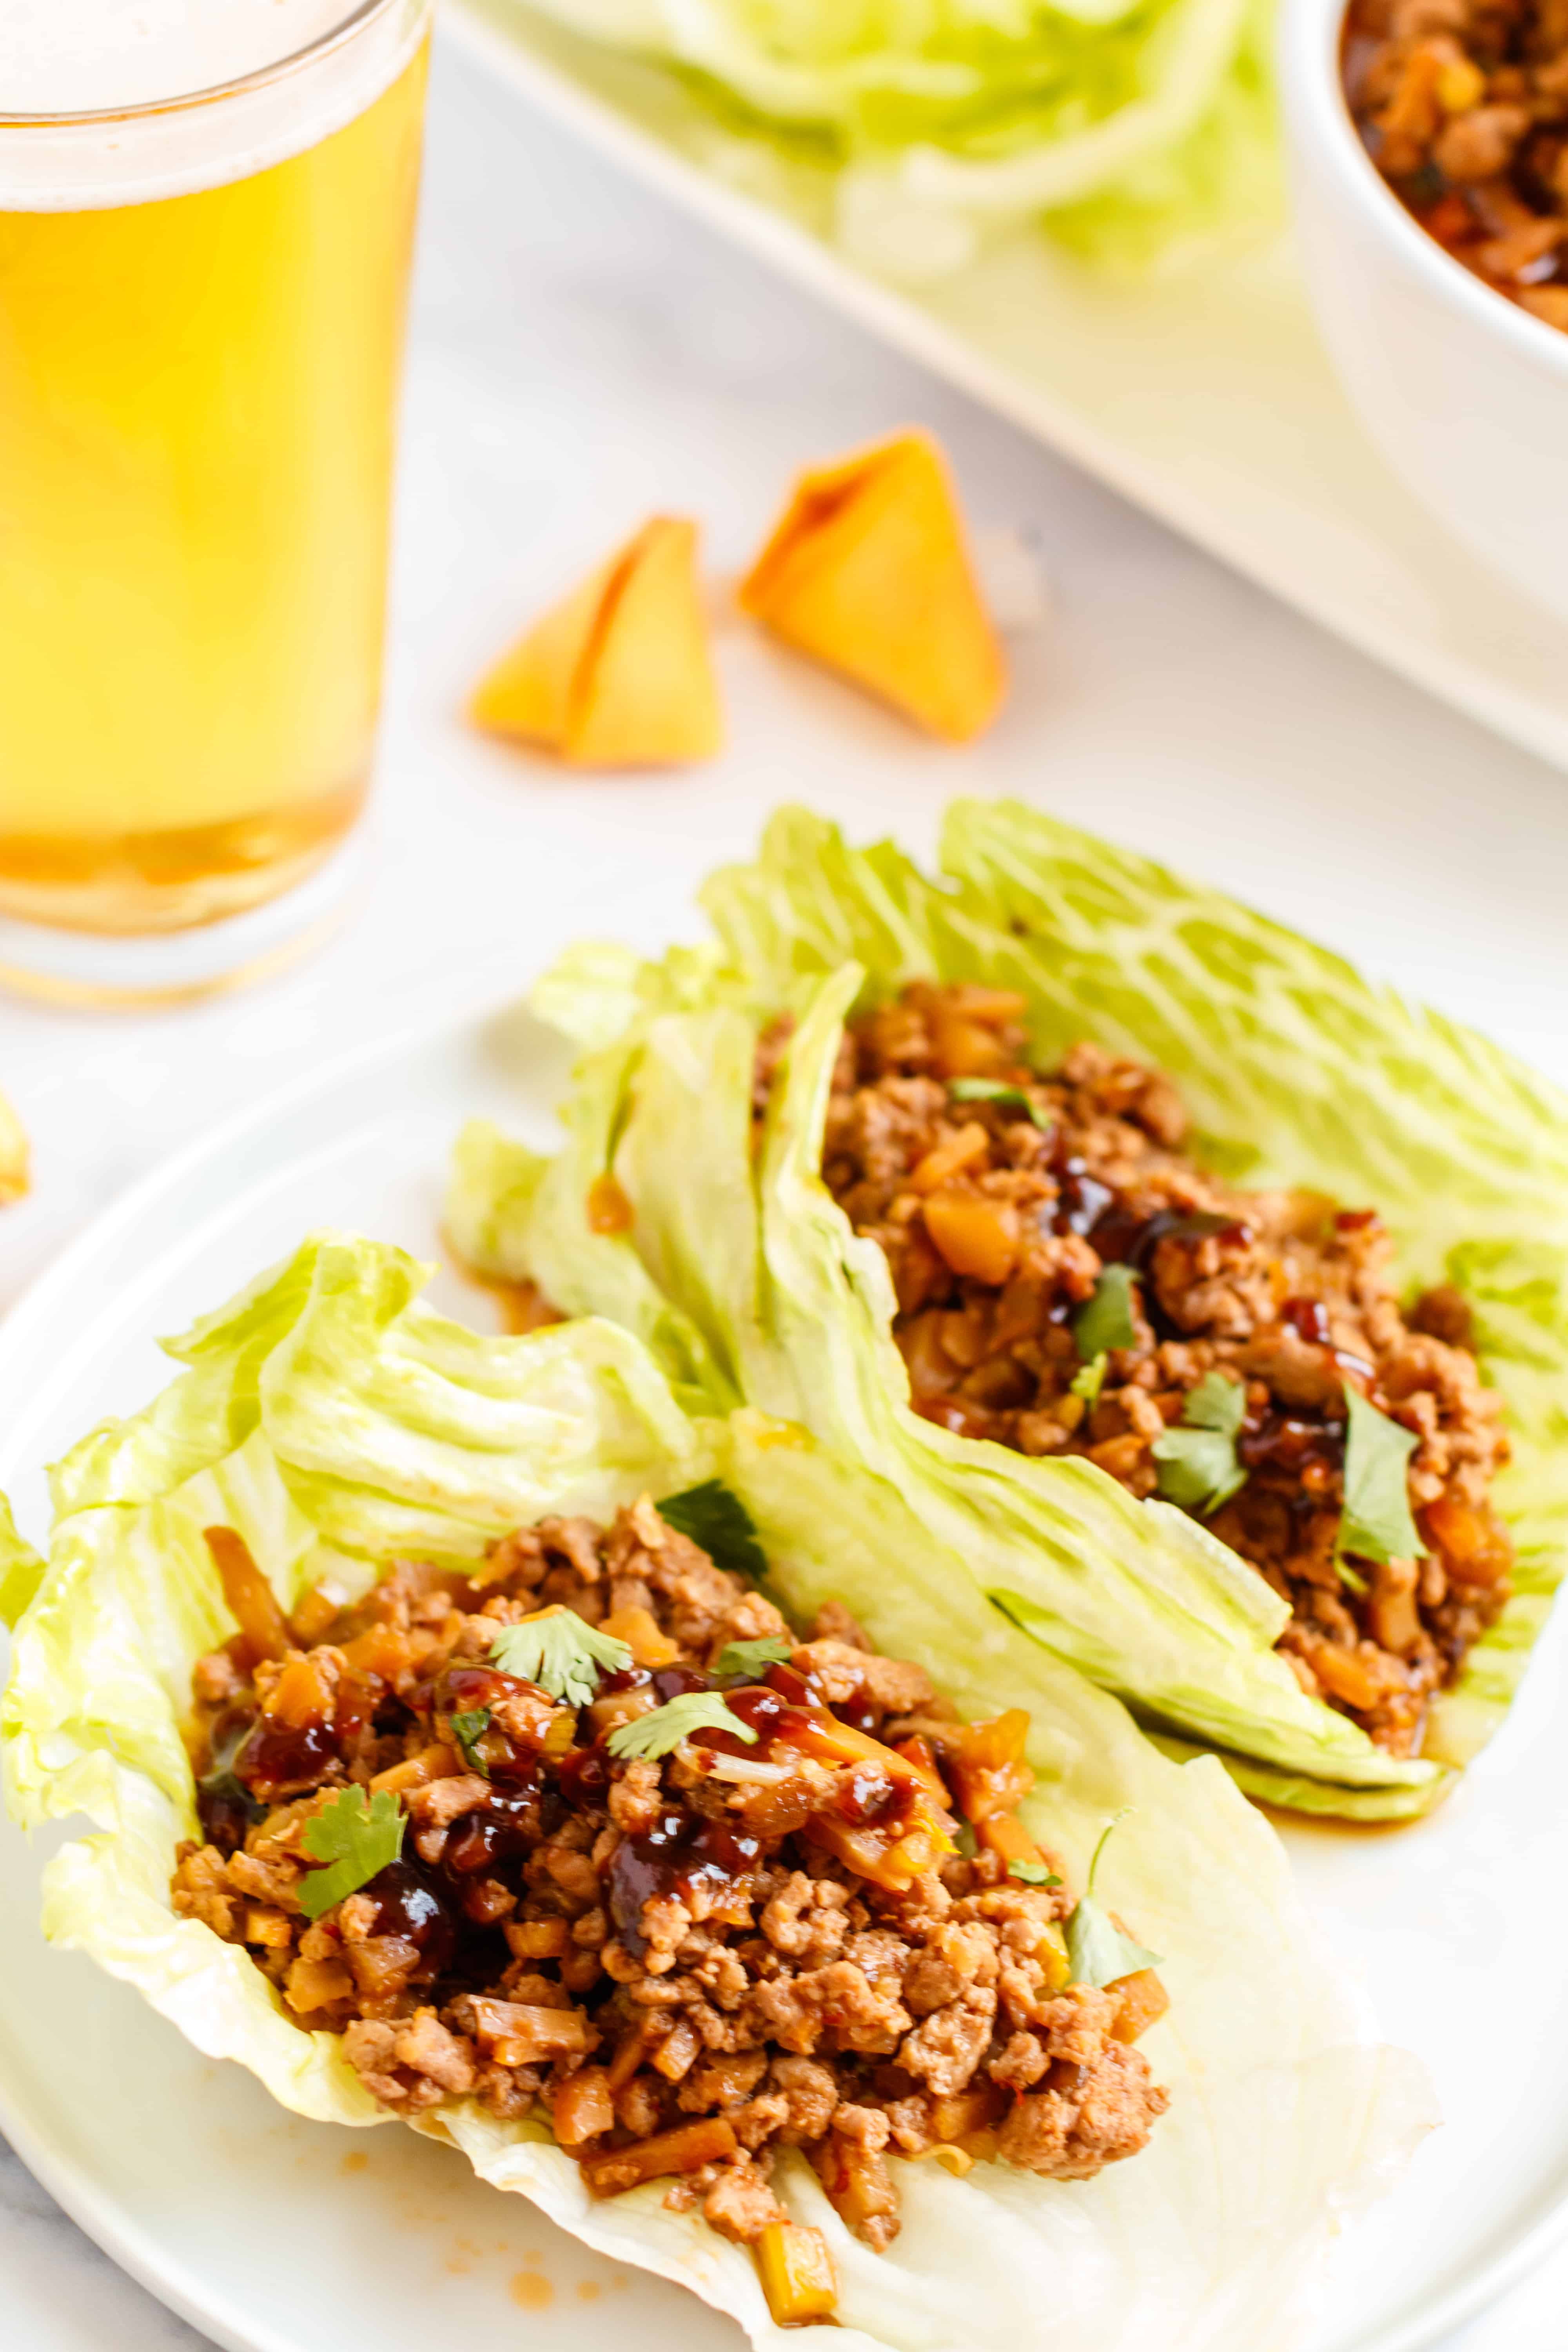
x=197 y=406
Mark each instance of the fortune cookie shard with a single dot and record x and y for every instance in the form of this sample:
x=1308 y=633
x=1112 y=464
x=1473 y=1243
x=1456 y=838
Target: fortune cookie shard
x=868 y=572
x=617 y=676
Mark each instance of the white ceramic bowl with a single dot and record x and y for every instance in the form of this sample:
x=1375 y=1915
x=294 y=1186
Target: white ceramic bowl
x=1464 y=393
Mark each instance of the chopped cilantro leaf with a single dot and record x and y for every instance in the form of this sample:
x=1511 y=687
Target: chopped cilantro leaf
x=558 y=1652
x=1089 y=1380
x=1198 y=1464
x=751 y=1659
x=468 y=1729
x=716 y=1519
x=356 y=1833
x=1006 y=1097
x=1033 y=1874
x=662 y=1731
x=1098 y=1954
x=1105 y=1321
x=1376 y=1522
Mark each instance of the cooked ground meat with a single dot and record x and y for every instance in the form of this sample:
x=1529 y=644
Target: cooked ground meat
x=1463 y=105
x=688 y=1960
x=999 y=1195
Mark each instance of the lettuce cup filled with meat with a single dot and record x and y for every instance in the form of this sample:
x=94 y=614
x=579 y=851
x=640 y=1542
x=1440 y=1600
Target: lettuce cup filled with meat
x=1207 y=1302
x=475 y=1739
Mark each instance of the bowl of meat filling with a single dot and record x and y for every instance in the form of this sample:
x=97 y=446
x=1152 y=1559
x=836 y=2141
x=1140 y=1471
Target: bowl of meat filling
x=1200 y=1296
x=1427 y=140
x=674 y=1862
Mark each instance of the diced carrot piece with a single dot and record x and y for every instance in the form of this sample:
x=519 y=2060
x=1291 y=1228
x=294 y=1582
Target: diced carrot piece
x=302 y=1693
x=268 y=1926
x=1474 y=1543
x=945 y=1160
x=1004 y=1833
x=583 y=2107
x=1342 y=1672
x=835 y=1742
x=686 y=2149
x=380 y=1650
x=249 y=1594
x=965 y=1048
x=639 y=1629
x=986 y=1766
x=976 y=1235
x=608 y=1209
x=536 y=1939
x=796 y=2272
x=918 y=1752
x=1144 y=2000
x=313 y=1613
x=436 y=1762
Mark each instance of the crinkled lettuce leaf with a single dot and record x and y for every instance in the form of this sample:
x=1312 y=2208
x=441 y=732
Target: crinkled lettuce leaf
x=1299 y=1070
x=332 y=1419
x=1124 y=127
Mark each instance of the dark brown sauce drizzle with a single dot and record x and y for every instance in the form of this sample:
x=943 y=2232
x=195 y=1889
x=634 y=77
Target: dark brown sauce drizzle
x=677 y=1851
x=282 y=1756
x=410 y=1901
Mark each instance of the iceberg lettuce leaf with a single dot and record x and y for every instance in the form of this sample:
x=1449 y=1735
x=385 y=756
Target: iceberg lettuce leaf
x=1138 y=1596
x=1285 y=2114
x=1300 y=1072
x=936 y=125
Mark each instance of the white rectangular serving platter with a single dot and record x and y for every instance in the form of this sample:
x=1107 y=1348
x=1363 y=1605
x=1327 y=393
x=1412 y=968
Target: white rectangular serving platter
x=1204 y=396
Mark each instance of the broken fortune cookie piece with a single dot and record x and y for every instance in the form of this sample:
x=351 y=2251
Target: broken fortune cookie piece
x=868 y=572
x=618 y=674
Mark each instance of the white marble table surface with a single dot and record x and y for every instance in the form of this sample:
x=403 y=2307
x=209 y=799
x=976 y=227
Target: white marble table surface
x=582 y=356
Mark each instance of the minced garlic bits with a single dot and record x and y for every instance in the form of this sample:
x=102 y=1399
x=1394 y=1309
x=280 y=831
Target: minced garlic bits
x=617 y=676
x=868 y=572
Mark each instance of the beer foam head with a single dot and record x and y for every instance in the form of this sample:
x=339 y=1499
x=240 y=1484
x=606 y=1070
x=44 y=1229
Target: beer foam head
x=303 y=69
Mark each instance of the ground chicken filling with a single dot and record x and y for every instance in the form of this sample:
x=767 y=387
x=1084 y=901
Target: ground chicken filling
x=1463 y=105
x=999 y=1196
x=687 y=1960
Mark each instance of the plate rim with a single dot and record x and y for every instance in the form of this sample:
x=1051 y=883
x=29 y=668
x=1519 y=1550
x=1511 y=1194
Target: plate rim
x=899 y=321
x=158 y=2267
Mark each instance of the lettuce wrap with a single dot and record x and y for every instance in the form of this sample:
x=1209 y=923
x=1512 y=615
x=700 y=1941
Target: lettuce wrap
x=745 y=1277
x=332 y=1420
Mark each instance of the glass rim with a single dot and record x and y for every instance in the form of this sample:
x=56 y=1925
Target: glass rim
x=335 y=36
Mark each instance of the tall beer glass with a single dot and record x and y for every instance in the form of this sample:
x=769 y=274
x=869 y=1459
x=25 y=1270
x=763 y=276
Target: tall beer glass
x=206 y=209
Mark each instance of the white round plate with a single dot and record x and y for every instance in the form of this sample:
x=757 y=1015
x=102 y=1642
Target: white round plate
x=278 y=2235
